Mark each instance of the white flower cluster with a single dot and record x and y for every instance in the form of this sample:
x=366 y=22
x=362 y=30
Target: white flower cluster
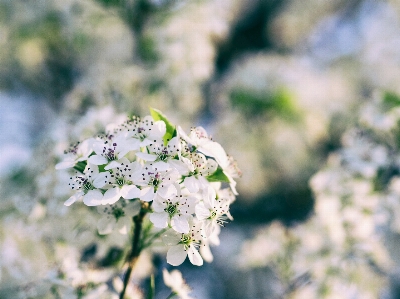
x=346 y=249
x=149 y=160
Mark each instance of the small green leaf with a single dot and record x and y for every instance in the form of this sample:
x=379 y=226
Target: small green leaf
x=391 y=99
x=80 y=166
x=171 y=129
x=218 y=176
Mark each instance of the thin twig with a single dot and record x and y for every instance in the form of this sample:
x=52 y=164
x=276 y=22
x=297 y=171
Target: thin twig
x=136 y=248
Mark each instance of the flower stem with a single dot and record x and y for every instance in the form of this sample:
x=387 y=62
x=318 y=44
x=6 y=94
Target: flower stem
x=136 y=246
x=172 y=295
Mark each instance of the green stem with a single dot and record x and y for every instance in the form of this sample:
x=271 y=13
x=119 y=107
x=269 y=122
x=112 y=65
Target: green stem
x=136 y=248
x=172 y=295
x=155 y=236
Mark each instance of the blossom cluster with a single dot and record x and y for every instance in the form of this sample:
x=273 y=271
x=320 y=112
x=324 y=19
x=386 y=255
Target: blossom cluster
x=185 y=181
x=346 y=249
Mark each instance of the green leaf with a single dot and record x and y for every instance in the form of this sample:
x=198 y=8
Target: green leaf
x=80 y=166
x=171 y=129
x=391 y=99
x=218 y=176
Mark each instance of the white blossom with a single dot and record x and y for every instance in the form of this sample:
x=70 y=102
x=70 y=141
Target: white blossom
x=175 y=281
x=184 y=245
x=84 y=185
x=174 y=212
x=117 y=216
x=212 y=211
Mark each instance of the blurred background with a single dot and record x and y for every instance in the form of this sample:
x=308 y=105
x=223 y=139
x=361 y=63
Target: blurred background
x=303 y=94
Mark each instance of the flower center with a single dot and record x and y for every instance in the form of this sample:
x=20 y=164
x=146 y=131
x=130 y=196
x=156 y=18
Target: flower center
x=109 y=153
x=186 y=239
x=213 y=214
x=163 y=156
x=155 y=180
x=87 y=186
x=120 y=181
x=118 y=212
x=171 y=210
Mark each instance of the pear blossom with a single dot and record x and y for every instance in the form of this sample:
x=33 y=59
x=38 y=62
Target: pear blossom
x=77 y=153
x=195 y=180
x=164 y=157
x=143 y=131
x=156 y=182
x=117 y=216
x=212 y=211
x=118 y=183
x=110 y=151
x=175 y=281
x=184 y=245
x=84 y=184
x=174 y=211
x=197 y=138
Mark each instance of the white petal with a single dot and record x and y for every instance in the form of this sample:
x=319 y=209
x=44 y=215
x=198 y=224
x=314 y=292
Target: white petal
x=180 y=166
x=206 y=253
x=97 y=160
x=126 y=146
x=159 y=219
x=161 y=166
x=209 y=198
x=191 y=184
x=85 y=148
x=167 y=191
x=158 y=205
x=172 y=175
x=233 y=187
x=147 y=194
x=123 y=225
x=130 y=192
x=174 y=146
x=188 y=164
x=93 y=198
x=208 y=227
x=180 y=224
x=98 y=146
x=176 y=255
x=214 y=149
x=146 y=142
x=101 y=179
x=203 y=183
x=183 y=134
x=146 y=157
x=171 y=237
x=202 y=212
x=113 y=164
x=106 y=225
x=73 y=198
x=158 y=130
x=65 y=164
x=194 y=256
x=111 y=196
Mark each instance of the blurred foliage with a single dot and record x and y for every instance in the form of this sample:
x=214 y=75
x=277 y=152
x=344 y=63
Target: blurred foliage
x=391 y=100
x=255 y=104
